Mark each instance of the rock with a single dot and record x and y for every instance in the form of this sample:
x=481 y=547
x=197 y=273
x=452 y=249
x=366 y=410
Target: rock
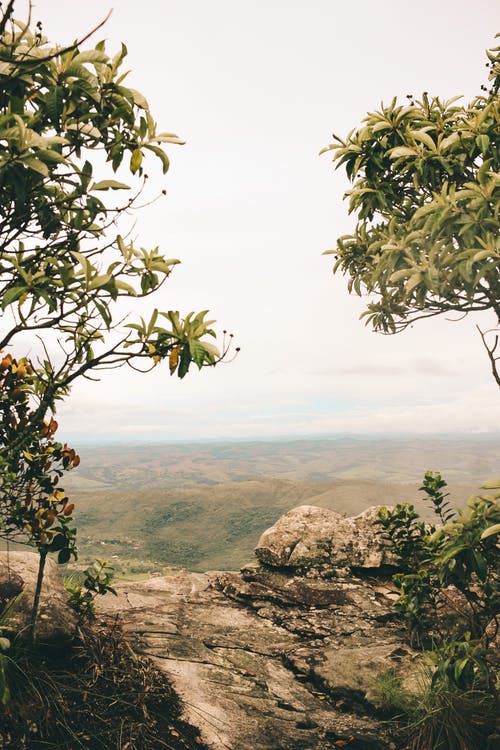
x=56 y=620
x=353 y=670
x=11 y=584
x=249 y=654
x=318 y=538
x=287 y=653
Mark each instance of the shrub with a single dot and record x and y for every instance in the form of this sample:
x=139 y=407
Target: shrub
x=449 y=586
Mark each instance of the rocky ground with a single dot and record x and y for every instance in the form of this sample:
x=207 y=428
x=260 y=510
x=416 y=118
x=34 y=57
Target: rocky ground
x=279 y=657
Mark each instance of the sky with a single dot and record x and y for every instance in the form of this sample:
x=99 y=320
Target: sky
x=256 y=90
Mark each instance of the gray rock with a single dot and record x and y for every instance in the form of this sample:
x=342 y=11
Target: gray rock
x=56 y=620
x=250 y=653
x=286 y=654
x=311 y=537
x=11 y=584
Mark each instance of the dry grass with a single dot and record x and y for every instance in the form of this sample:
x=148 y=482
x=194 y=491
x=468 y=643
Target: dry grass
x=96 y=695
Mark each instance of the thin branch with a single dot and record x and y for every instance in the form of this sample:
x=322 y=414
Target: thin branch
x=491 y=353
x=8 y=12
x=58 y=52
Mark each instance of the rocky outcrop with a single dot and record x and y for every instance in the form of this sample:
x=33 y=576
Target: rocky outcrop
x=311 y=537
x=269 y=659
x=56 y=621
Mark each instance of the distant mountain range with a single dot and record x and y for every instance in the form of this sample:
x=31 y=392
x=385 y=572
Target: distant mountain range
x=203 y=506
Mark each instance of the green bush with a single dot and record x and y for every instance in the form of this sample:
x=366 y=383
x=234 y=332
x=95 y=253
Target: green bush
x=83 y=589
x=449 y=598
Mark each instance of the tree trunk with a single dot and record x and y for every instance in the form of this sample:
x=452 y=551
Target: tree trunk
x=36 y=600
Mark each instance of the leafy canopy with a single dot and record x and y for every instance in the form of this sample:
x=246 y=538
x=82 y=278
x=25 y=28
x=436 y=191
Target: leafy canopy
x=426 y=192
x=69 y=128
x=68 y=123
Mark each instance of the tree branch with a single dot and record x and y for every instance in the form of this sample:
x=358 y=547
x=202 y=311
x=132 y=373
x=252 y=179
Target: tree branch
x=491 y=353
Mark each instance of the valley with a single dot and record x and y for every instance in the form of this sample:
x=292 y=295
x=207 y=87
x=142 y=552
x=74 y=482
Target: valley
x=202 y=506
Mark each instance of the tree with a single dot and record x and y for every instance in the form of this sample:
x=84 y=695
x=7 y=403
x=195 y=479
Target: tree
x=427 y=196
x=68 y=123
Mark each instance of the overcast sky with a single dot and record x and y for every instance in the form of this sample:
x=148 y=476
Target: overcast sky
x=256 y=89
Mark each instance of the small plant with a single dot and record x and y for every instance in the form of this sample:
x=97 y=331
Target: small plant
x=449 y=584
x=447 y=718
x=96 y=582
x=432 y=485
x=390 y=696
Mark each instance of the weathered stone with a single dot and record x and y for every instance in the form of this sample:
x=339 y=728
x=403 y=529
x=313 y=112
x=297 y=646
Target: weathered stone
x=247 y=653
x=284 y=655
x=56 y=620
x=352 y=670
x=11 y=584
x=311 y=537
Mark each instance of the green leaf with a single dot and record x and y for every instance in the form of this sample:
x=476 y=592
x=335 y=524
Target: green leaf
x=184 y=362
x=481 y=255
x=424 y=138
x=450 y=140
x=212 y=351
x=57 y=543
x=91 y=55
x=36 y=165
x=152 y=322
x=399 y=151
x=124 y=287
x=85 y=128
x=413 y=281
x=165 y=266
x=169 y=138
x=139 y=99
x=11 y=295
x=491 y=531
x=49 y=156
x=99 y=281
x=161 y=154
x=54 y=103
x=64 y=556
x=4 y=687
x=460 y=665
x=109 y=185
x=452 y=553
x=135 y=160
x=198 y=352
x=493 y=485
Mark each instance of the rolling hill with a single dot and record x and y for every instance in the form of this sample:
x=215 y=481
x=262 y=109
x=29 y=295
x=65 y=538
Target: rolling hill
x=204 y=506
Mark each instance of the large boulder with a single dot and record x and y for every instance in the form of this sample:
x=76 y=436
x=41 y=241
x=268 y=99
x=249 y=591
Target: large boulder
x=56 y=620
x=312 y=537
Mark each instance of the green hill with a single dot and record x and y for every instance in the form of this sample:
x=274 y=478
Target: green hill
x=204 y=505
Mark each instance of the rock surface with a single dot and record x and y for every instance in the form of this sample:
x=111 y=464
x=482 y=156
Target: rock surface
x=266 y=659
x=56 y=620
x=11 y=584
x=311 y=537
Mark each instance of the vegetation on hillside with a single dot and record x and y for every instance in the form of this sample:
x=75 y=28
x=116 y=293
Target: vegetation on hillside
x=69 y=127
